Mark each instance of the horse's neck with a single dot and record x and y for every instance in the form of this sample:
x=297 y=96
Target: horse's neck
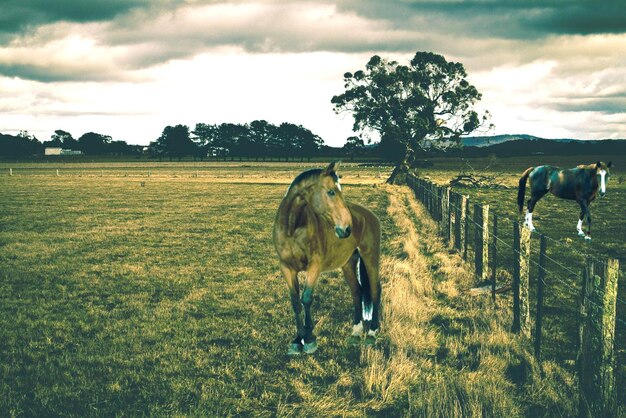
x=290 y=213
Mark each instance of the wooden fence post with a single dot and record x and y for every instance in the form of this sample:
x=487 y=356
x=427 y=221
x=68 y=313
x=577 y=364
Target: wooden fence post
x=585 y=296
x=458 y=221
x=436 y=202
x=444 y=221
x=481 y=241
x=425 y=193
x=434 y=196
x=478 y=245
x=597 y=356
x=465 y=225
x=494 y=257
x=540 y=285
x=521 y=255
x=427 y=196
x=485 y=242
x=451 y=220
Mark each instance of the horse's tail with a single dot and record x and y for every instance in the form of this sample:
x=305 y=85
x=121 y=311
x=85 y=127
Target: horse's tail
x=521 y=190
x=367 y=305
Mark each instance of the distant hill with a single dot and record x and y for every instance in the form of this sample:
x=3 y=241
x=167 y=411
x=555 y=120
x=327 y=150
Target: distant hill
x=486 y=141
x=513 y=145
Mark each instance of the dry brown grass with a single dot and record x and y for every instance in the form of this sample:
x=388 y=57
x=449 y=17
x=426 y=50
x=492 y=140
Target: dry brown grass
x=449 y=354
x=165 y=299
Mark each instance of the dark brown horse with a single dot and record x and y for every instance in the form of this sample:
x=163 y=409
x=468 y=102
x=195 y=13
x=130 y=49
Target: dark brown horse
x=580 y=184
x=316 y=231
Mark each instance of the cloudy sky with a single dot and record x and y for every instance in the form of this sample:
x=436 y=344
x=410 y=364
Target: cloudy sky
x=128 y=68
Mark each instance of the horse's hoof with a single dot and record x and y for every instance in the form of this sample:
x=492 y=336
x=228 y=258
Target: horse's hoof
x=588 y=238
x=581 y=234
x=354 y=340
x=295 y=349
x=310 y=348
x=370 y=341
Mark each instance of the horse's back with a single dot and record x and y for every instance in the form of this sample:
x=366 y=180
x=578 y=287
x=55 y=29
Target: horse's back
x=366 y=228
x=563 y=183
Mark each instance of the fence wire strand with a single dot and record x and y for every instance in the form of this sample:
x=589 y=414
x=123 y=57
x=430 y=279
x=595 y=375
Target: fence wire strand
x=435 y=211
x=569 y=287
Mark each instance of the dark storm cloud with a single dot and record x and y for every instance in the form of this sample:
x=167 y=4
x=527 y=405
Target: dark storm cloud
x=609 y=104
x=19 y=15
x=58 y=73
x=144 y=33
x=585 y=18
x=514 y=19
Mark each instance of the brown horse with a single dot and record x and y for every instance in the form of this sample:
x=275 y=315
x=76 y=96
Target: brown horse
x=315 y=231
x=580 y=184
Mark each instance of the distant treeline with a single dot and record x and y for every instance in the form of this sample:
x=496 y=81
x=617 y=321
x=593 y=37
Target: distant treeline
x=257 y=139
x=26 y=145
x=261 y=139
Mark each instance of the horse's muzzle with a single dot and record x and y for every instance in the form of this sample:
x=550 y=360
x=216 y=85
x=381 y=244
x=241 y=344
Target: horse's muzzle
x=343 y=232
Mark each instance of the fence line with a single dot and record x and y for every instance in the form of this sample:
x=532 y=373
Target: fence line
x=598 y=299
x=569 y=248
x=568 y=286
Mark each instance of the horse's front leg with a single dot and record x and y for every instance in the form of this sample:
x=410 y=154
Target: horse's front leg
x=291 y=276
x=588 y=236
x=584 y=211
x=310 y=343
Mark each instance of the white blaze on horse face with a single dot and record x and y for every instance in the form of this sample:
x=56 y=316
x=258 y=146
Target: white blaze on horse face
x=602 y=182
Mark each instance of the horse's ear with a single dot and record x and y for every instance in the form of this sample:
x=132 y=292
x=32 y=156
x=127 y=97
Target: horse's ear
x=598 y=164
x=610 y=164
x=332 y=168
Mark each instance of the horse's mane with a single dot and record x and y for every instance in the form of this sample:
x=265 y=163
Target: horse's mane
x=306 y=177
x=294 y=203
x=586 y=166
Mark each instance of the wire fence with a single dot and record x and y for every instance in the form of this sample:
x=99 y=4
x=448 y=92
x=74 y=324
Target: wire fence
x=578 y=302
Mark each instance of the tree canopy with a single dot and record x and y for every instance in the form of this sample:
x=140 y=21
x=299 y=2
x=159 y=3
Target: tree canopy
x=426 y=104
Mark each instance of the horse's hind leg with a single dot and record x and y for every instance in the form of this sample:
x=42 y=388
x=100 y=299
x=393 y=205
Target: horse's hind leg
x=291 y=276
x=530 y=207
x=349 y=273
x=371 y=261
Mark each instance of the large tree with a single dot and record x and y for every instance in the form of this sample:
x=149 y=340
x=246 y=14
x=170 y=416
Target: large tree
x=92 y=143
x=63 y=139
x=175 y=141
x=427 y=104
x=298 y=141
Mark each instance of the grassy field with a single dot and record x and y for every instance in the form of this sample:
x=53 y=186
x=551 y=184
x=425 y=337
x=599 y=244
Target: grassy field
x=128 y=294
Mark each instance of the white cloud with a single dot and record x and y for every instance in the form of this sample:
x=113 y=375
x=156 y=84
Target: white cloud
x=214 y=62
